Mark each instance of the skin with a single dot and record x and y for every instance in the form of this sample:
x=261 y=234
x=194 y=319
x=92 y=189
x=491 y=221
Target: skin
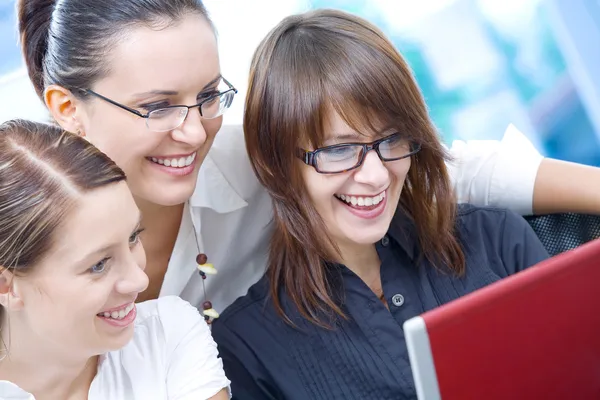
x=96 y=263
x=355 y=236
x=147 y=60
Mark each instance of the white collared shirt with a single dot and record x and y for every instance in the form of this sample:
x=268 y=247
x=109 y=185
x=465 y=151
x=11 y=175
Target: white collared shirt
x=171 y=356
x=231 y=211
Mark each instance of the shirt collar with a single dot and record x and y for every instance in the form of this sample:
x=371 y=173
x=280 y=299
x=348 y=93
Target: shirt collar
x=214 y=191
x=403 y=232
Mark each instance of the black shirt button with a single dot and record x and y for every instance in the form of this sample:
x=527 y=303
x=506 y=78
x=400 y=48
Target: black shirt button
x=397 y=300
x=385 y=241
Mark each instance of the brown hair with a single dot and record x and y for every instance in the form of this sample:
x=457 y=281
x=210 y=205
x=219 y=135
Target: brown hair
x=69 y=42
x=43 y=170
x=306 y=66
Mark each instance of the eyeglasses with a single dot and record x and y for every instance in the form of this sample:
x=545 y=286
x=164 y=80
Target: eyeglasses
x=171 y=117
x=348 y=156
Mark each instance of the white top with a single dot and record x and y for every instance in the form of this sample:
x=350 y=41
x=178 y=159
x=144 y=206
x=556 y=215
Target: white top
x=171 y=356
x=231 y=211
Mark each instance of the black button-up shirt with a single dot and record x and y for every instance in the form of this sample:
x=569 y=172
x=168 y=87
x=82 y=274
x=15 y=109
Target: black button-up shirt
x=365 y=357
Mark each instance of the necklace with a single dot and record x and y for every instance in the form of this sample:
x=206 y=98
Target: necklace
x=205 y=268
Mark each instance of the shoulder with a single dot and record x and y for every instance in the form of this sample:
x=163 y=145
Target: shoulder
x=471 y=218
x=169 y=314
x=485 y=229
x=9 y=390
x=500 y=235
x=253 y=315
x=160 y=326
x=245 y=308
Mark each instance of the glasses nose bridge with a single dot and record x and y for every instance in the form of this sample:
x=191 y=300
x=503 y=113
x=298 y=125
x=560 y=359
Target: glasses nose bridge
x=367 y=147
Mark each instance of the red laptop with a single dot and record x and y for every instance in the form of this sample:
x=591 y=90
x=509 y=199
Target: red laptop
x=534 y=335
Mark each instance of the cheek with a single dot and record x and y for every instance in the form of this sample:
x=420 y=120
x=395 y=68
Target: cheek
x=140 y=256
x=212 y=126
x=124 y=140
x=400 y=169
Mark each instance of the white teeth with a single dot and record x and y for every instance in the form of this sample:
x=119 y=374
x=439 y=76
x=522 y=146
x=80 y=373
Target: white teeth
x=362 y=201
x=120 y=314
x=175 y=162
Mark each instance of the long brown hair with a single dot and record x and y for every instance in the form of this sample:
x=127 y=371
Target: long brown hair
x=311 y=64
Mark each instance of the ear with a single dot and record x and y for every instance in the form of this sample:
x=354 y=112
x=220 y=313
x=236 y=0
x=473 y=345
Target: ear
x=64 y=108
x=8 y=297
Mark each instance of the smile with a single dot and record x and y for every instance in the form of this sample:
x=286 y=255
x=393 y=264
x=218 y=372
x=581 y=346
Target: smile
x=361 y=201
x=118 y=314
x=364 y=207
x=175 y=162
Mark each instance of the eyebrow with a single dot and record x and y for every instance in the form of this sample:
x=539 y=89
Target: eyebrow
x=156 y=92
x=106 y=248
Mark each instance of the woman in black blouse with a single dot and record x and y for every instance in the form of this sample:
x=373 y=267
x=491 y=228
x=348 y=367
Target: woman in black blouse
x=367 y=232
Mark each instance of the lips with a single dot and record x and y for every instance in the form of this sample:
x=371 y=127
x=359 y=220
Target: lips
x=174 y=161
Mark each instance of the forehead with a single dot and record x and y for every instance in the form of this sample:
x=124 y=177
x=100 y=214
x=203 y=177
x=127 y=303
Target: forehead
x=176 y=57
x=101 y=217
x=338 y=129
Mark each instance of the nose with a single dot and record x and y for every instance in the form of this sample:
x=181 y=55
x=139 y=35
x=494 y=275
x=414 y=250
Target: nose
x=373 y=171
x=134 y=279
x=191 y=131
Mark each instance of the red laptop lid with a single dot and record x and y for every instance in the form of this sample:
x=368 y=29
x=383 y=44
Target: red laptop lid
x=534 y=335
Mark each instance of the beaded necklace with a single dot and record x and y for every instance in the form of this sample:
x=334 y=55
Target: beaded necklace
x=205 y=268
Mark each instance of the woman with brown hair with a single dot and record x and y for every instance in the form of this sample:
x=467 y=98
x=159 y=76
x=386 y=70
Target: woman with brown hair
x=71 y=268
x=367 y=230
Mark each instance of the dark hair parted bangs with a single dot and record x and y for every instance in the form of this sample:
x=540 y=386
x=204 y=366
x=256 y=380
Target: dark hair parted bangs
x=308 y=66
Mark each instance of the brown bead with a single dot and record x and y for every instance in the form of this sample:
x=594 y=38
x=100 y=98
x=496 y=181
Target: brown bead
x=201 y=259
x=207 y=305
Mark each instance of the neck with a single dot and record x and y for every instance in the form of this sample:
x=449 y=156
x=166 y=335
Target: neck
x=155 y=216
x=161 y=224
x=44 y=369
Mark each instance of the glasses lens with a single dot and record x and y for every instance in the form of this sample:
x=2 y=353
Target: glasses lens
x=395 y=147
x=166 y=119
x=338 y=159
x=217 y=105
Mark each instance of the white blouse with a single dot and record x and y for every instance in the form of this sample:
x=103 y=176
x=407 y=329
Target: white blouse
x=172 y=356
x=230 y=211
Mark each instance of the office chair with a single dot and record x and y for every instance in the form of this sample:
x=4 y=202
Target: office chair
x=562 y=232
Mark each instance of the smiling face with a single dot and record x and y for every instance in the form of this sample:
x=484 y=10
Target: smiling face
x=79 y=299
x=356 y=206
x=151 y=69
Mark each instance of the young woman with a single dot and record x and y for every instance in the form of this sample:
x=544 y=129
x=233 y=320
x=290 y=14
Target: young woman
x=141 y=80
x=71 y=268
x=367 y=231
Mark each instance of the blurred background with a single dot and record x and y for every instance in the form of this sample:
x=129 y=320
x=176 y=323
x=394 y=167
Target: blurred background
x=481 y=64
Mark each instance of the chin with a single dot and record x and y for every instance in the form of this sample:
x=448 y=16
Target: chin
x=368 y=236
x=117 y=343
x=171 y=195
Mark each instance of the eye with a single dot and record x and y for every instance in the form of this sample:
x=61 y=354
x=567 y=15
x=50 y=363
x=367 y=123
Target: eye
x=341 y=153
x=154 y=106
x=135 y=237
x=207 y=95
x=396 y=140
x=100 y=267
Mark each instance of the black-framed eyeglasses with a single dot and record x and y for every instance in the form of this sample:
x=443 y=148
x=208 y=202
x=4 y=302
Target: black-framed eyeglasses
x=348 y=156
x=171 y=117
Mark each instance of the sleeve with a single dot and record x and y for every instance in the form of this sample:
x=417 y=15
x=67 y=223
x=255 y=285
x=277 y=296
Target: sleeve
x=521 y=248
x=194 y=370
x=500 y=174
x=248 y=381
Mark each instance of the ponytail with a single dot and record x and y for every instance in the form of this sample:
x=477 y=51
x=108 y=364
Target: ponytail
x=34 y=18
